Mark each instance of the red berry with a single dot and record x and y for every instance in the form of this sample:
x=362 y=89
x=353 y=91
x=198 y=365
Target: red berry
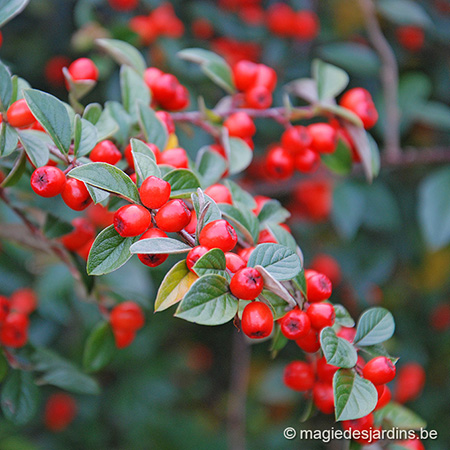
x=167 y=120
x=106 y=151
x=245 y=253
x=258 y=97
x=53 y=70
x=260 y=200
x=321 y=315
x=48 y=181
x=152 y=260
x=123 y=337
x=257 y=320
x=279 y=164
x=359 y=101
x=325 y=371
x=173 y=216
x=76 y=195
x=296 y=139
x=129 y=155
x=175 y=157
x=299 y=376
x=127 y=316
x=83 y=69
x=306 y=25
x=247 y=284
x=123 y=5
x=410 y=382
x=218 y=234
x=14 y=330
x=314 y=199
x=280 y=19
x=384 y=398
x=202 y=29
x=60 y=410
x=244 y=74
x=309 y=343
x=154 y=192
x=266 y=77
x=132 y=220
x=219 y=193
x=318 y=286
x=327 y=265
x=234 y=262
x=265 y=236
x=323 y=397
x=347 y=333
x=151 y=75
x=99 y=216
x=359 y=425
x=324 y=137
x=194 y=255
x=240 y=124
x=307 y=162
x=191 y=227
x=4 y=308
x=82 y=233
x=164 y=87
x=295 y=324
x=19 y=114
x=379 y=370
x=23 y=301
x=440 y=317
x=410 y=37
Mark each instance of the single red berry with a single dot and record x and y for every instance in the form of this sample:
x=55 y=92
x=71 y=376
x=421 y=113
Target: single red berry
x=258 y=97
x=167 y=120
x=155 y=259
x=144 y=27
x=132 y=220
x=14 y=331
x=295 y=324
x=299 y=376
x=384 y=398
x=440 y=317
x=410 y=37
x=194 y=255
x=321 y=315
x=76 y=195
x=296 y=139
x=323 y=397
x=260 y=200
x=175 y=157
x=105 y=151
x=266 y=77
x=318 y=286
x=325 y=371
x=257 y=320
x=19 y=114
x=129 y=155
x=123 y=337
x=324 y=137
x=244 y=74
x=154 y=192
x=280 y=19
x=127 y=316
x=234 y=262
x=309 y=343
x=359 y=101
x=357 y=426
x=23 y=301
x=83 y=69
x=173 y=216
x=314 y=199
x=306 y=25
x=191 y=227
x=410 y=382
x=164 y=87
x=247 y=284
x=240 y=124
x=219 y=193
x=202 y=29
x=327 y=265
x=99 y=216
x=307 y=162
x=82 y=233
x=347 y=333
x=265 y=236
x=151 y=75
x=218 y=234
x=245 y=253
x=53 y=70
x=379 y=370
x=4 y=308
x=60 y=410
x=48 y=181
x=123 y=5
x=279 y=163
x=180 y=99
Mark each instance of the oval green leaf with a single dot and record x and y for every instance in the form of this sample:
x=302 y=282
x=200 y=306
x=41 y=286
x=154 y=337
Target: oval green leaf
x=375 y=325
x=337 y=351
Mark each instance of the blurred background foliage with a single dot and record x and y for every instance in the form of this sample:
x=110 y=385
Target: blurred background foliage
x=169 y=390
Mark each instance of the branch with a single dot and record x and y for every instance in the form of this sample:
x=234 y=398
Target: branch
x=389 y=79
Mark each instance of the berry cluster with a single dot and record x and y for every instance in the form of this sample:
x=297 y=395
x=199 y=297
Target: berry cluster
x=60 y=410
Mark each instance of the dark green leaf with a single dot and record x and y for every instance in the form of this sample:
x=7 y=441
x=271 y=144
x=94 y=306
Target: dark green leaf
x=273 y=213
x=343 y=317
x=405 y=12
x=337 y=351
x=10 y=9
x=159 y=246
x=106 y=125
x=8 y=139
x=340 y=161
x=55 y=227
x=243 y=220
x=92 y=113
x=35 y=147
x=16 y=172
x=330 y=80
x=212 y=262
x=154 y=130
x=240 y=196
x=279 y=341
x=210 y=165
x=133 y=90
x=97 y=195
x=278 y=304
x=375 y=325
x=183 y=183
x=283 y=237
x=6 y=87
x=117 y=112
x=100 y=348
x=86 y=137
x=123 y=53
x=394 y=415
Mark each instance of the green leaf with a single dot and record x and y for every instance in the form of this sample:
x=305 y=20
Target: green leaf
x=212 y=65
x=62 y=373
x=86 y=137
x=273 y=213
x=340 y=161
x=144 y=161
x=175 y=285
x=404 y=12
x=208 y=302
x=16 y=172
x=137 y=146
x=240 y=196
x=107 y=177
x=52 y=115
x=279 y=341
x=204 y=206
x=100 y=348
x=243 y=220
x=434 y=208
x=158 y=246
x=337 y=351
x=375 y=325
x=183 y=183
x=354 y=396
x=19 y=397
x=123 y=53
x=212 y=262
x=77 y=88
x=35 y=147
x=4 y=366
x=331 y=80
x=341 y=112
x=283 y=237
x=8 y=139
x=54 y=227
x=154 y=130
x=434 y=114
x=363 y=147
x=92 y=113
x=124 y=121
x=240 y=155
x=394 y=415
x=97 y=195
x=375 y=153
x=378 y=350
x=109 y=252
x=10 y=9
x=106 y=125
x=6 y=87
x=210 y=165
x=281 y=262
x=133 y=89
x=19 y=86
x=272 y=285
x=299 y=282
x=278 y=304
x=343 y=317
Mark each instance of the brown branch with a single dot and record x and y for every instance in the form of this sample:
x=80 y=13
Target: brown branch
x=389 y=79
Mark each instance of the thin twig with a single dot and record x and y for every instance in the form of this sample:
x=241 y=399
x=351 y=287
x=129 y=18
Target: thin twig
x=389 y=79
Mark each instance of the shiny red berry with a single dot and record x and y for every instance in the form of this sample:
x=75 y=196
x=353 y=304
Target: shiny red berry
x=324 y=137
x=266 y=77
x=173 y=216
x=299 y=376
x=318 y=286
x=154 y=192
x=129 y=156
x=309 y=343
x=194 y=255
x=19 y=114
x=132 y=220
x=4 y=308
x=359 y=101
x=258 y=97
x=384 y=398
x=82 y=233
x=257 y=320
x=105 y=151
x=295 y=324
x=296 y=139
x=325 y=371
x=123 y=337
x=14 y=330
x=279 y=164
x=323 y=397
x=127 y=316
x=48 y=181
x=244 y=74
x=155 y=259
x=247 y=284
x=240 y=124
x=357 y=426
x=83 y=69
x=321 y=315
x=307 y=161
x=23 y=301
x=379 y=370
x=234 y=262
x=219 y=193
x=218 y=234
x=410 y=382
x=306 y=25
x=60 y=410
x=175 y=157
x=76 y=195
